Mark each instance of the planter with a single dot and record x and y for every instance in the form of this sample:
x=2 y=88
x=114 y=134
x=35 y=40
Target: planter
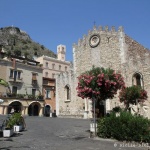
x=17 y=128
x=8 y=133
x=92 y=127
x=50 y=114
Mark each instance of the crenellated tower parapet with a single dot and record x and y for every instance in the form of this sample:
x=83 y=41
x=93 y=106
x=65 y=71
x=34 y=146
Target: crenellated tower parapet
x=98 y=47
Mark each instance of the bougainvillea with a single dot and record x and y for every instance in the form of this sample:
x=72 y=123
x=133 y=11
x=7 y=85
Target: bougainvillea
x=99 y=83
x=132 y=95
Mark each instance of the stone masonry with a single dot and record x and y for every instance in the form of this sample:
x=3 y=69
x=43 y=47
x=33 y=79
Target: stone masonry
x=115 y=50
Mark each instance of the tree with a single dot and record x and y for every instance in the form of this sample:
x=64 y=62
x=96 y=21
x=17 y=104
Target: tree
x=17 y=52
x=99 y=83
x=4 y=83
x=132 y=95
x=8 y=53
x=26 y=54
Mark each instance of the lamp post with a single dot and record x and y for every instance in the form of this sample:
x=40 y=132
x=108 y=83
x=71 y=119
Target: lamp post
x=94 y=117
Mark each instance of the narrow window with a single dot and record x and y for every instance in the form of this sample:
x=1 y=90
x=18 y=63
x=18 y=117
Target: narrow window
x=67 y=92
x=59 y=67
x=34 y=79
x=53 y=66
x=48 y=94
x=46 y=74
x=53 y=75
x=137 y=79
x=14 y=90
x=33 y=92
x=65 y=68
x=15 y=75
x=19 y=75
x=46 y=64
x=11 y=73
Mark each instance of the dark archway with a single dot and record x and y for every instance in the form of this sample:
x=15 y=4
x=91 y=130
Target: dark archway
x=33 y=109
x=16 y=105
x=47 y=110
x=30 y=110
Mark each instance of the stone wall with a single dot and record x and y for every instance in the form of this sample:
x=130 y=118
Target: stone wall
x=115 y=50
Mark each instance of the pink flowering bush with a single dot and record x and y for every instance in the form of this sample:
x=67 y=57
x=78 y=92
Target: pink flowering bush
x=99 y=83
x=132 y=95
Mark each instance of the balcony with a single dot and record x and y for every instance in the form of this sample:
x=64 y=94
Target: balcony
x=15 y=80
x=21 y=96
x=34 y=82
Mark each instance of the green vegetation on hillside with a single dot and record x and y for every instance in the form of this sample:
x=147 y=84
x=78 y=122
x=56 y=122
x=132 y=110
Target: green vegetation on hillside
x=18 y=42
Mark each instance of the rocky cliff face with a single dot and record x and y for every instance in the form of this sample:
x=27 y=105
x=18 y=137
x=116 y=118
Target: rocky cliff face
x=13 y=39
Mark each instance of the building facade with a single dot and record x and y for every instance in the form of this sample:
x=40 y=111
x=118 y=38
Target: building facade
x=24 y=92
x=51 y=68
x=108 y=48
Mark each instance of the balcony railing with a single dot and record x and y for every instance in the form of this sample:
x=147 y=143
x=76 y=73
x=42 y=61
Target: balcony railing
x=18 y=80
x=21 y=96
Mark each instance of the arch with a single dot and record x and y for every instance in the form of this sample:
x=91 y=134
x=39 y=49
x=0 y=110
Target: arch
x=67 y=92
x=34 y=108
x=137 y=79
x=47 y=110
x=16 y=105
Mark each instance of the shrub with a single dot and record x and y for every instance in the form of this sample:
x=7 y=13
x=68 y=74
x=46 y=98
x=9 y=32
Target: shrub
x=17 y=118
x=124 y=127
x=117 y=109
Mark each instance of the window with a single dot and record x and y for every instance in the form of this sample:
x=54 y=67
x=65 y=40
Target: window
x=19 y=75
x=46 y=74
x=53 y=75
x=53 y=66
x=34 y=78
x=59 y=67
x=65 y=68
x=48 y=93
x=15 y=74
x=33 y=92
x=14 y=90
x=46 y=64
x=67 y=92
x=11 y=73
x=137 y=79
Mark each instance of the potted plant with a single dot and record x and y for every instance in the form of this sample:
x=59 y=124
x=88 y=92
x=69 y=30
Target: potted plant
x=8 y=127
x=17 y=122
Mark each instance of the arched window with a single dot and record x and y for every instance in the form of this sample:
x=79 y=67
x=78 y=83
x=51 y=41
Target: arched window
x=67 y=92
x=137 y=79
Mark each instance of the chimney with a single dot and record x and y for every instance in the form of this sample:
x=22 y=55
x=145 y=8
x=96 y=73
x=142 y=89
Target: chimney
x=14 y=63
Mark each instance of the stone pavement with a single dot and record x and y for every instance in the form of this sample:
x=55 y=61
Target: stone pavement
x=44 y=133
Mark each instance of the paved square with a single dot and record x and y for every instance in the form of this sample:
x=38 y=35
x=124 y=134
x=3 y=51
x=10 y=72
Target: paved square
x=44 y=133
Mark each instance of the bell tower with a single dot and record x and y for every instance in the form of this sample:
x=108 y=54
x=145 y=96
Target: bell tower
x=61 y=52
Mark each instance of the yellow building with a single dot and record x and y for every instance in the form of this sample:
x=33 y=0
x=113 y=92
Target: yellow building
x=24 y=91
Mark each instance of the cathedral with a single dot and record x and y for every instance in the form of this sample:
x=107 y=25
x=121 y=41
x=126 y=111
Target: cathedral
x=109 y=48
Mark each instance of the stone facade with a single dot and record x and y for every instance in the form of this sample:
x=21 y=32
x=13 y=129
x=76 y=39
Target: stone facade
x=111 y=49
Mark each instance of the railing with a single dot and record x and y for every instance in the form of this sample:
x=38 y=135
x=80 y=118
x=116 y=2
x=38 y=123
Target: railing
x=21 y=96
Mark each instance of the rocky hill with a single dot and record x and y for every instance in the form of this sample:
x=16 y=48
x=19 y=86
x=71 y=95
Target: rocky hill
x=18 y=42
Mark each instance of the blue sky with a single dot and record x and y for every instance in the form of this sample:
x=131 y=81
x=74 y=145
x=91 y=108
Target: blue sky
x=54 y=22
